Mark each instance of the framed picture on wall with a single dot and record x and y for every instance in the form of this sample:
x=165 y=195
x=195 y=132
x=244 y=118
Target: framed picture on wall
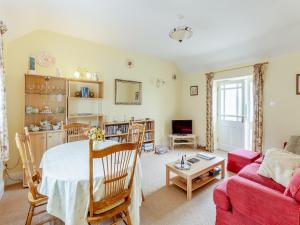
x=194 y=90
x=298 y=84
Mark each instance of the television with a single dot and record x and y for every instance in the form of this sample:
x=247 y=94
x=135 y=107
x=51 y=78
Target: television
x=182 y=127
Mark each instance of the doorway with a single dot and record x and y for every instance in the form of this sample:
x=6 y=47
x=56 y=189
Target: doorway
x=234 y=113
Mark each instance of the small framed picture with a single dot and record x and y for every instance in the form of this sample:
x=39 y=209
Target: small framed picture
x=298 y=84
x=194 y=90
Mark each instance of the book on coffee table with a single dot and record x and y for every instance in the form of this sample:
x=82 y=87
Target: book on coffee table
x=205 y=155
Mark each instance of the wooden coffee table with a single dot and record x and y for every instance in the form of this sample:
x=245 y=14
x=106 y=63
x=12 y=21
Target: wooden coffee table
x=189 y=180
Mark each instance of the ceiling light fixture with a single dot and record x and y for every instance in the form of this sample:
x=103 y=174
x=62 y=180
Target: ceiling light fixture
x=181 y=33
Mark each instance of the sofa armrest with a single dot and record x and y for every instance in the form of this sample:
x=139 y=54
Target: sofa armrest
x=264 y=205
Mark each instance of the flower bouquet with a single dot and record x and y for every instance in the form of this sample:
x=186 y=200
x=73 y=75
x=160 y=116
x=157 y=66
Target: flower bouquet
x=96 y=134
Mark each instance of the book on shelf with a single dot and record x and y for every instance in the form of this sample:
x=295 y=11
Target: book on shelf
x=116 y=129
x=148 y=147
x=117 y=139
x=148 y=136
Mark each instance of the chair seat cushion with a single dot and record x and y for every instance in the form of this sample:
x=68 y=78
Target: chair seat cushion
x=221 y=198
x=238 y=159
x=40 y=200
x=105 y=209
x=250 y=173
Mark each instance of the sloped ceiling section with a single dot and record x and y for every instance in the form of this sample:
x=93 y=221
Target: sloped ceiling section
x=225 y=32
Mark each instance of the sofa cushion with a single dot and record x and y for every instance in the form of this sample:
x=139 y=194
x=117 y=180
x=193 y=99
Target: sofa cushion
x=221 y=198
x=279 y=165
x=293 y=145
x=250 y=172
x=259 y=160
x=293 y=189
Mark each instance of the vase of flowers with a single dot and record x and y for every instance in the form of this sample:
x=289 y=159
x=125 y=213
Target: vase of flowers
x=97 y=135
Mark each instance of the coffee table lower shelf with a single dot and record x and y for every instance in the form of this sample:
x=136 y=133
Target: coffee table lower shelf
x=182 y=183
x=189 y=180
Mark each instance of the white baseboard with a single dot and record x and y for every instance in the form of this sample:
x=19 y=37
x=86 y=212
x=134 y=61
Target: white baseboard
x=1 y=180
x=16 y=176
x=1 y=188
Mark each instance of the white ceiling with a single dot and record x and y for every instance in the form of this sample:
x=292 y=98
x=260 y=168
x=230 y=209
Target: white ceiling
x=226 y=32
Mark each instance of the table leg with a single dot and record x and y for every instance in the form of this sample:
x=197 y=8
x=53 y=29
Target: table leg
x=189 y=188
x=223 y=169
x=173 y=143
x=167 y=176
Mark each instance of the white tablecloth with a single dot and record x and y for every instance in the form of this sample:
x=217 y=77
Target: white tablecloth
x=65 y=181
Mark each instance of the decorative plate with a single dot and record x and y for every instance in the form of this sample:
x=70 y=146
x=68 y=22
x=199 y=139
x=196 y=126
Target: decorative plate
x=45 y=59
x=180 y=166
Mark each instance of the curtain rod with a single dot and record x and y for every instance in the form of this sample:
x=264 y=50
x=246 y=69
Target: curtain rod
x=236 y=68
x=3 y=27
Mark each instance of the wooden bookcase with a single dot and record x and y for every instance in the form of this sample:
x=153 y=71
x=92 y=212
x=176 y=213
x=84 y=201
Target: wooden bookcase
x=85 y=109
x=118 y=131
x=149 y=140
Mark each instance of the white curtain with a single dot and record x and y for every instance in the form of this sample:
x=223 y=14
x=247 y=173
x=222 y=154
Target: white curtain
x=4 y=150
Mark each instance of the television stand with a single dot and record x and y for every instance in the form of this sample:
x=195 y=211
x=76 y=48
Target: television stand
x=188 y=139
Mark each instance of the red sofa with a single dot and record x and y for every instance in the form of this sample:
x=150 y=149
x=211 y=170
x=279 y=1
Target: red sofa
x=250 y=199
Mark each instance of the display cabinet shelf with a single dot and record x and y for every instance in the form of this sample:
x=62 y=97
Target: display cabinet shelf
x=45 y=110
x=45 y=101
x=84 y=116
x=85 y=102
x=84 y=99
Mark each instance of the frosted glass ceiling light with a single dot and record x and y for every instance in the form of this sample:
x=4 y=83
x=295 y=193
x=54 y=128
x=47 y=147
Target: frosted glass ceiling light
x=181 y=33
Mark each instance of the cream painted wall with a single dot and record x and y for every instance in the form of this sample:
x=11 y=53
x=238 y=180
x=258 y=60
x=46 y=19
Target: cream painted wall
x=281 y=120
x=160 y=104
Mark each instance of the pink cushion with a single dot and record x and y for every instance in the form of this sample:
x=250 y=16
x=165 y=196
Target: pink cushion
x=293 y=189
x=259 y=160
x=221 y=198
x=238 y=159
x=244 y=155
x=250 y=173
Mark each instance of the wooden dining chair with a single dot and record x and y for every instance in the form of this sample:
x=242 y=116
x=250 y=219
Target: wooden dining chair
x=118 y=163
x=75 y=131
x=33 y=177
x=136 y=133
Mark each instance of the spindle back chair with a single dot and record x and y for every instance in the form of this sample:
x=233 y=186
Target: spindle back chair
x=76 y=131
x=136 y=133
x=32 y=174
x=118 y=163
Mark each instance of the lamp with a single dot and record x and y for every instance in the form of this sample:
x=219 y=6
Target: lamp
x=3 y=27
x=160 y=82
x=181 y=33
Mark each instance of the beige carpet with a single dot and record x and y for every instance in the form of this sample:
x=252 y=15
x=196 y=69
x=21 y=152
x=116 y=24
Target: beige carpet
x=163 y=205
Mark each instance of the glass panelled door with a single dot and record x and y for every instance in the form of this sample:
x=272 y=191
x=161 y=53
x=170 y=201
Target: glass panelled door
x=231 y=114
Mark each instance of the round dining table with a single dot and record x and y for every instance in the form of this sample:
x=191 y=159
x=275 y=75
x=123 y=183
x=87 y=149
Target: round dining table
x=65 y=180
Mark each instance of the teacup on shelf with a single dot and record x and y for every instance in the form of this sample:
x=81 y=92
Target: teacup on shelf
x=34 y=128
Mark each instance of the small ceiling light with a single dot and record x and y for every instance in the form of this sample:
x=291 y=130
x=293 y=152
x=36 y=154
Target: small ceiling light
x=181 y=33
